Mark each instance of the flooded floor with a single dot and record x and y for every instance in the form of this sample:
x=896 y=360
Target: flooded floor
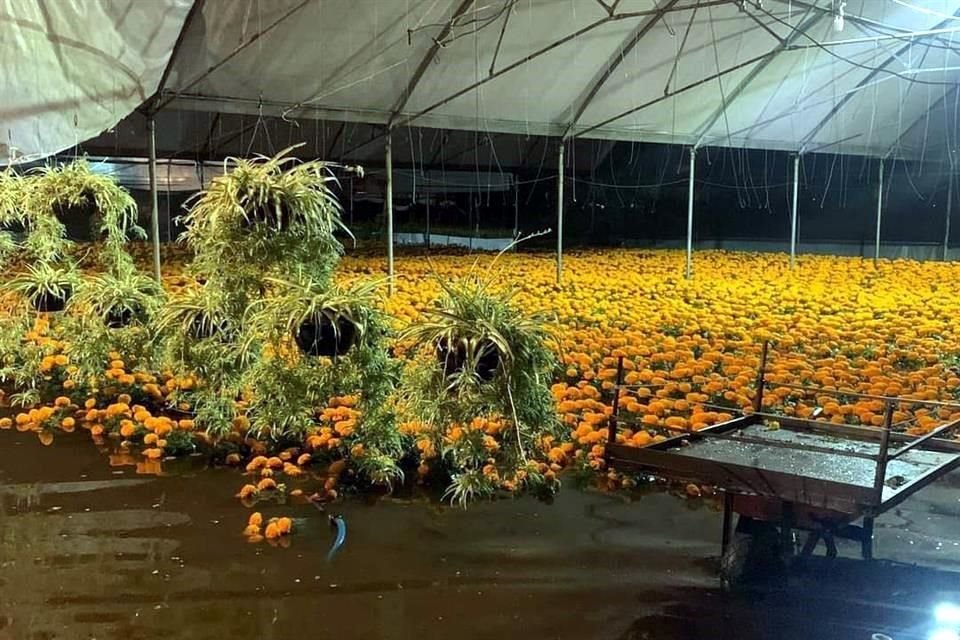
x=93 y=552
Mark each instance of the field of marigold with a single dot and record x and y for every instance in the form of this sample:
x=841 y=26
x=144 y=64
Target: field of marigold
x=843 y=324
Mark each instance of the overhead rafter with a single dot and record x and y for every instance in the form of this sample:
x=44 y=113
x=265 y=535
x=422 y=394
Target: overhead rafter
x=807 y=22
x=669 y=94
x=863 y=82
x=590 y=92
x=427 y=61
x=537 y=54
x=926 y=114
x=161 y=103
x=150 y=106
x=862 y=21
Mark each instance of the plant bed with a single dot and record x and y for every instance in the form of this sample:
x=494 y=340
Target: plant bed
x=485 y=357
x=319 y=335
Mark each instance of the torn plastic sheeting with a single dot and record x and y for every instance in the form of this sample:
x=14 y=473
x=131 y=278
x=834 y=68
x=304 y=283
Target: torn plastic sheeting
x=72 y=69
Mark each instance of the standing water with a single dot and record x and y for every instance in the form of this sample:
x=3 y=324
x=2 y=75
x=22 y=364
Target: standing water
x=93 y=551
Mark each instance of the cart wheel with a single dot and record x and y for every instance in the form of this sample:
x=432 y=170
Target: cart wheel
x=753 y=555
x=733 y=563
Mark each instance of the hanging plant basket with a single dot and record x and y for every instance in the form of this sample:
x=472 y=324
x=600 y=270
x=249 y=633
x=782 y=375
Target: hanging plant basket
x=47 y=302
x=318 y=335
x=78 y=217
x=276 y=217
x=454 y=360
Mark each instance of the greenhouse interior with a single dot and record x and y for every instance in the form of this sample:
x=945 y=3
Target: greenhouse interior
x=462 y=312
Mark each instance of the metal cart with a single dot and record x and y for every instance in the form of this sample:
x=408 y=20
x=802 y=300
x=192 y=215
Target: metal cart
x=782 y=475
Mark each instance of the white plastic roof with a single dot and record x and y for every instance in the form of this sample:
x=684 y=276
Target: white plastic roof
x=770 y=74
x=71 y=68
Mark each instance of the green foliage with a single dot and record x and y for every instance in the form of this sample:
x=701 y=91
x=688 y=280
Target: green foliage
x=263 y=240
x=201 y=332
x=112 y=312
x=94 y=302
x=288 y=385
x=23 y=354
x=8 y=247
x=125 y=291
x=44 y=279
x=46 y=238
x=263 y=213
x=12 y=197
x=56 y=191
x=475 y=320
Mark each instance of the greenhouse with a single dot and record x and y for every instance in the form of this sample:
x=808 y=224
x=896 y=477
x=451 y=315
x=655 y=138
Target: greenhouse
x=479 y=318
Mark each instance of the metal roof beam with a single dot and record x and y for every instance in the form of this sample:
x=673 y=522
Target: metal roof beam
x=161 y=103
x=669 y=95
x=427 y=61
x=536 y=54
x=154 y=100
x=926 y=114
x=586 y=97
x=807 y=22
x=863 y=82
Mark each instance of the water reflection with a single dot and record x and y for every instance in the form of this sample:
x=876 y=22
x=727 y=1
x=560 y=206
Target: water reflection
x=91 y=549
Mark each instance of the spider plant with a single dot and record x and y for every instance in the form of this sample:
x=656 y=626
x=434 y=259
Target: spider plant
x=46 y=286
x=200 y=313
x=8 y=246
x=289 y=383
x=74 y=191
x=46 y=238
x=264 y=211
x=470 y=322
x=120 y=298
x=322 y=320
x=12 y=192
x=200 y=332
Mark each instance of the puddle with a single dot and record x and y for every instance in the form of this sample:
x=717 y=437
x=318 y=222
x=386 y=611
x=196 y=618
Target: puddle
x=93 y=551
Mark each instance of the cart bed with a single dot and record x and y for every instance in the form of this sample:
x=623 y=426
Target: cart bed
x=805 y=463
x=817 y=465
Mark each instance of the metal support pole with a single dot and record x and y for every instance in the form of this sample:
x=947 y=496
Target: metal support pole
x=793 y=212
x=761 y=378
x=516 y=207
x=693 y=167
x=560 y=215
x=427 y=238
x=391 y=285
x=612 y=430
x=876 y=250
x=946 y=230
x=154 y=199
x=727 y=534
x=883 y=457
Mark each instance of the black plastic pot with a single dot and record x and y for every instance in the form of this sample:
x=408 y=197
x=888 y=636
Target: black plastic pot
x=267 y=216
x=317 y=336
x=119 y=318
x=49 y=303
x=78 y=218
x=454 y=360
